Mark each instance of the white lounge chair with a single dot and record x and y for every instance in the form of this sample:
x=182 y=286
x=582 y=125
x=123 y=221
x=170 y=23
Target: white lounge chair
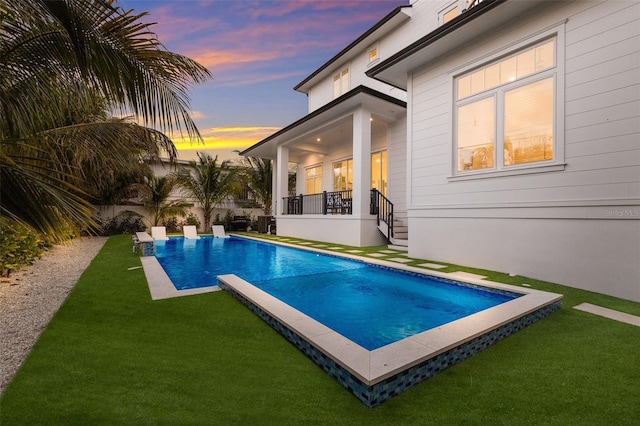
x=190 y=232
x=159 y=233
x=218 y=231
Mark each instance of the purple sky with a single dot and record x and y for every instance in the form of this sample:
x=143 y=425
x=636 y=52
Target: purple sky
x=257 y=51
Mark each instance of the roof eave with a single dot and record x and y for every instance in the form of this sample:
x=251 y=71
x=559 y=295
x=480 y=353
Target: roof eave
x=391 y=20
x=351 y=94
x=384 y=70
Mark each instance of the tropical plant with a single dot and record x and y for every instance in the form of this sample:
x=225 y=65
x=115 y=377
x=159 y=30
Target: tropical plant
x=258 y=175
x=65 y=67
x=208 y=183
x=19 y=246
x=155 y=197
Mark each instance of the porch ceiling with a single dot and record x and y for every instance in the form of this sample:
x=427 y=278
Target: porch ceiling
x=330 y=125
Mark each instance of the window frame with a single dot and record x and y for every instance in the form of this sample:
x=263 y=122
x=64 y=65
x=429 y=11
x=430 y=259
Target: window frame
x=343 y=86
x=375 y=47
x=556 y=72
x=383 y=165
x=333 y=168
x=307 y=178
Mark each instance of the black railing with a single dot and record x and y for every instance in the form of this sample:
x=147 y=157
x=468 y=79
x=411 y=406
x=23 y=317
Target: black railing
x=337 y=202
x=383 y=209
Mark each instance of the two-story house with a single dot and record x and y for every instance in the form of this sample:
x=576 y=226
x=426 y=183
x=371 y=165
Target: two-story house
x=497 y=134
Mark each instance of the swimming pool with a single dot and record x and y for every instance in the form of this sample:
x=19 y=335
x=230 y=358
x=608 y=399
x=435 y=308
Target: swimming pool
x=369 y=305
x=374 y=376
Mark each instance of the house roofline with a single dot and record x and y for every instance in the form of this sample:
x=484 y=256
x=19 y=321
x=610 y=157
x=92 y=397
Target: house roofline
x=459 y=21
x=353 y=44
x=350 y=94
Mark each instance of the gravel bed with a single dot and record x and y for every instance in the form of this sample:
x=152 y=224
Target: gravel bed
x=30 y=297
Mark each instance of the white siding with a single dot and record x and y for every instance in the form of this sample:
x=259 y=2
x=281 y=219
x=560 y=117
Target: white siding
x=602 y=122
x=397 y=158
x=579 y=226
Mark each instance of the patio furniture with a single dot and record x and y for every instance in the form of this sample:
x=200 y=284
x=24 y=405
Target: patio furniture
x=190 y=232
x=218 y=231
x=240 y=223
x=159 y=233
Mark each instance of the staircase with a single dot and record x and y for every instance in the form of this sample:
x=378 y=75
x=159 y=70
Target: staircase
x=393 y=226
x=400 y=235
x=400 y=240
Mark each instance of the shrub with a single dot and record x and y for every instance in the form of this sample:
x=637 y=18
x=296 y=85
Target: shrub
x=172 y=225
x=126 y=222
x=19 y=246
x=253 y=220
x=192 y=219
x=228 y=218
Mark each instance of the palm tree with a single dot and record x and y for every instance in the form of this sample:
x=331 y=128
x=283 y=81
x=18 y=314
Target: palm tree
x=155 y=196
x=65 y=67
x=208 y=183
x=258 y=173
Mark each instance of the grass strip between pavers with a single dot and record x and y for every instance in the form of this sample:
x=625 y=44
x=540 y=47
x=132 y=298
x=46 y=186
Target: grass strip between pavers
x=111 y=355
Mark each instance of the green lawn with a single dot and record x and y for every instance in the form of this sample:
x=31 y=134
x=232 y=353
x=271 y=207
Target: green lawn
x=111 y=355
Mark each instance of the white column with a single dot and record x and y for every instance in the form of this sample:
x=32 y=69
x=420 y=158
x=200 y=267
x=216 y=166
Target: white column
x=361 y=161
x=281 y=178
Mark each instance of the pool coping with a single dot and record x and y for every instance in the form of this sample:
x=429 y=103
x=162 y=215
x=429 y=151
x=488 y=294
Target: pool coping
x=160 y=285
x=372 y=367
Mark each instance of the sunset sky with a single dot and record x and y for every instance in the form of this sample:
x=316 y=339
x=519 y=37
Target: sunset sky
x=257 y=51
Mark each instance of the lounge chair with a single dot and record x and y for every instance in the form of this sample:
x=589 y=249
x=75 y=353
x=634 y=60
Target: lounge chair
x=159 y=233
x=190 y=232
x=218 y=231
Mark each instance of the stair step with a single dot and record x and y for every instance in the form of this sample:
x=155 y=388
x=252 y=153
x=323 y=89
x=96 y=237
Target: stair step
x=399 y=244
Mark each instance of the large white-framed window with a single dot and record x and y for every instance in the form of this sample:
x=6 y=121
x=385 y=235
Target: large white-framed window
x=341 y=82
x=505 y=112
x=313 y=179
x=343 y=175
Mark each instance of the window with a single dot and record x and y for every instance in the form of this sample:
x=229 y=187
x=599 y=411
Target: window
x=343 y=175
x=313 y=178
x=456 y=8
x=504 y=111
x=373 y=54
x=379 y=171
x=450 y=14
x=341 y=83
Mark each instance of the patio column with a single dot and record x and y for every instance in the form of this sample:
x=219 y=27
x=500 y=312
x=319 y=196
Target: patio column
x=281 y=178
x=361 y=161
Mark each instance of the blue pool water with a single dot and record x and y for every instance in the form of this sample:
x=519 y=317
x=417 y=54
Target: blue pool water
x=369 y=305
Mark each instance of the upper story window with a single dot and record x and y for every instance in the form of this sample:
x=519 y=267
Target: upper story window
x=449 y=14
x=454 y=9
x=373 y=54
x=505 y=110
x=341 y=82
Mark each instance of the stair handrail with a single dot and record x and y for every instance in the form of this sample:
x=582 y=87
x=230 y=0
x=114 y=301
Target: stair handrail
x=383 y=209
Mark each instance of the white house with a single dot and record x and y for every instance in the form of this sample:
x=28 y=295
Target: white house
x=504 y=134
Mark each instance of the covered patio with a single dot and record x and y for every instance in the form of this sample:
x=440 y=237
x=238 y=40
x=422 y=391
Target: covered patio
x=327 y=205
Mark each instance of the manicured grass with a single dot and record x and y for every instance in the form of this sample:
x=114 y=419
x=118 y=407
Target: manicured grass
x=111 y=355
